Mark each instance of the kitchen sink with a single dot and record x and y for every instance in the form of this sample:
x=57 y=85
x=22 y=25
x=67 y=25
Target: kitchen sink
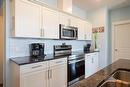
x=115 y=84
x=123 y=75
x=120 y=78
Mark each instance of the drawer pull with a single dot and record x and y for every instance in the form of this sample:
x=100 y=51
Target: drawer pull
x=59 y=61
x=36 y=66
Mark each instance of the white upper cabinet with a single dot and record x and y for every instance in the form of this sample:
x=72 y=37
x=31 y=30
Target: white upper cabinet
x=50 y=23
x=88 y=31
x=65 y=19
x=26 y=19
x=35 y=21
x=81 y=30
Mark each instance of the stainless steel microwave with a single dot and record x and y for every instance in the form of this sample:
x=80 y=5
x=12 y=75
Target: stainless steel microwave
x=68 y=32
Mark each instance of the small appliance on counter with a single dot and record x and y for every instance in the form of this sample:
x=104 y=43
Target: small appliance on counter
x=87 y=48
x=62 y=50
x=37 y=50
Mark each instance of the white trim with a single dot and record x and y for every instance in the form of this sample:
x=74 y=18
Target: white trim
x=113 y=31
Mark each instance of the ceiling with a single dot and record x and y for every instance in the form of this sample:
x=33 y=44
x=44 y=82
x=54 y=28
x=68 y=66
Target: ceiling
x=94 y=4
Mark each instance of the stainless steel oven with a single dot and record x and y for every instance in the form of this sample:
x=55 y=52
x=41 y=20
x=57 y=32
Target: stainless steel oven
x=68 y=32
x=76 y=69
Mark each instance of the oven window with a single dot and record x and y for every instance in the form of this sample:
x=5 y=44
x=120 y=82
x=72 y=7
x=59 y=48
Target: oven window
x=76 y=70
x=68 y=33
x=80 y=68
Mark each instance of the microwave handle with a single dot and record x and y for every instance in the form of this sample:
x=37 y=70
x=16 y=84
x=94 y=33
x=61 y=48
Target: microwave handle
x=76 y=34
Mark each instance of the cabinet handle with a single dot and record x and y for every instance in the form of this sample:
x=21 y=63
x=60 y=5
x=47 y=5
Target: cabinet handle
x=59 y=61
x=50 y=73
x=85 y=36
x=69 y=22
x=41 y=32
x=36 y=66
x=92 y=60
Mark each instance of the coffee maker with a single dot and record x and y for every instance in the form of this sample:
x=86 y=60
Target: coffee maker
x=37 y=50
x=87 y=48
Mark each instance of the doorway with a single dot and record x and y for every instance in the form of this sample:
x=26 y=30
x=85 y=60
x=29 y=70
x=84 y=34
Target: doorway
x=121 y=40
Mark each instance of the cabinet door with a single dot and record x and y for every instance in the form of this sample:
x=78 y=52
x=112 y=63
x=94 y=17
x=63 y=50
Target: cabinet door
x=50 y=23
x=59 y=76
x=27 y=19
x=88 y=31
x=81 y=32
x=88 y=65
x=65 y=19
x=80 y=24
x=95 y=56
x=34 y=79
x=94 y=62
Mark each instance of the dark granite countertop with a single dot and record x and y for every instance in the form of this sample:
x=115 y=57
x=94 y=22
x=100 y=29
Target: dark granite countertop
x=29 y=59
x=103 y=74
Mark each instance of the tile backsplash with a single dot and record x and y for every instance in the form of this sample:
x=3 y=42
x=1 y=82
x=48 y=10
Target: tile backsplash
x=20 y=46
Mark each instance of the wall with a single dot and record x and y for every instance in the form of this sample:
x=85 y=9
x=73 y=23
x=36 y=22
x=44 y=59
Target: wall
x=1 y=43
x=16 y=47
x=98 y=18
x=120 y=14
x=115 y=15
x=1 y=49
x=79 y=12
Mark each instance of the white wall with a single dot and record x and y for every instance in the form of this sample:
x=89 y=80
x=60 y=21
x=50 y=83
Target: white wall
x=1 y=49
x=79 y=12
x=1 y=42
x=98 y=18
x=120 y=14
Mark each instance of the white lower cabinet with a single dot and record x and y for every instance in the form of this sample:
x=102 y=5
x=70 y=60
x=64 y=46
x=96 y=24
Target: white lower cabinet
x=91 y=64
x=51 y=73
x=59 y=76
x=34 y=79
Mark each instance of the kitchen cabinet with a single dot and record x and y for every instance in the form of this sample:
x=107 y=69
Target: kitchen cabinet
x=34 y=79
x=50 y=23
x=91 y=64
x=81 y=30
x=65 y=19
x=59 y=75
x=34 y=21
x=26 y=18
x=84 y=28
x=42 y=74
x=88 y=31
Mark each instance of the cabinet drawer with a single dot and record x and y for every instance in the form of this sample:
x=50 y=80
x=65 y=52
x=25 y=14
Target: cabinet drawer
x=58 y=61
x=33 y=67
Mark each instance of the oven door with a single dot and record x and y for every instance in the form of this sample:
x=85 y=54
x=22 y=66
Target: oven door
x=76 y=70
x=68 y=32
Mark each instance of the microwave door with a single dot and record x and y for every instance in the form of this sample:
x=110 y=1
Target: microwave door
x=68 y=34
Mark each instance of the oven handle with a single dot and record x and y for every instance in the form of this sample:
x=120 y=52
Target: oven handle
x=75 y=61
